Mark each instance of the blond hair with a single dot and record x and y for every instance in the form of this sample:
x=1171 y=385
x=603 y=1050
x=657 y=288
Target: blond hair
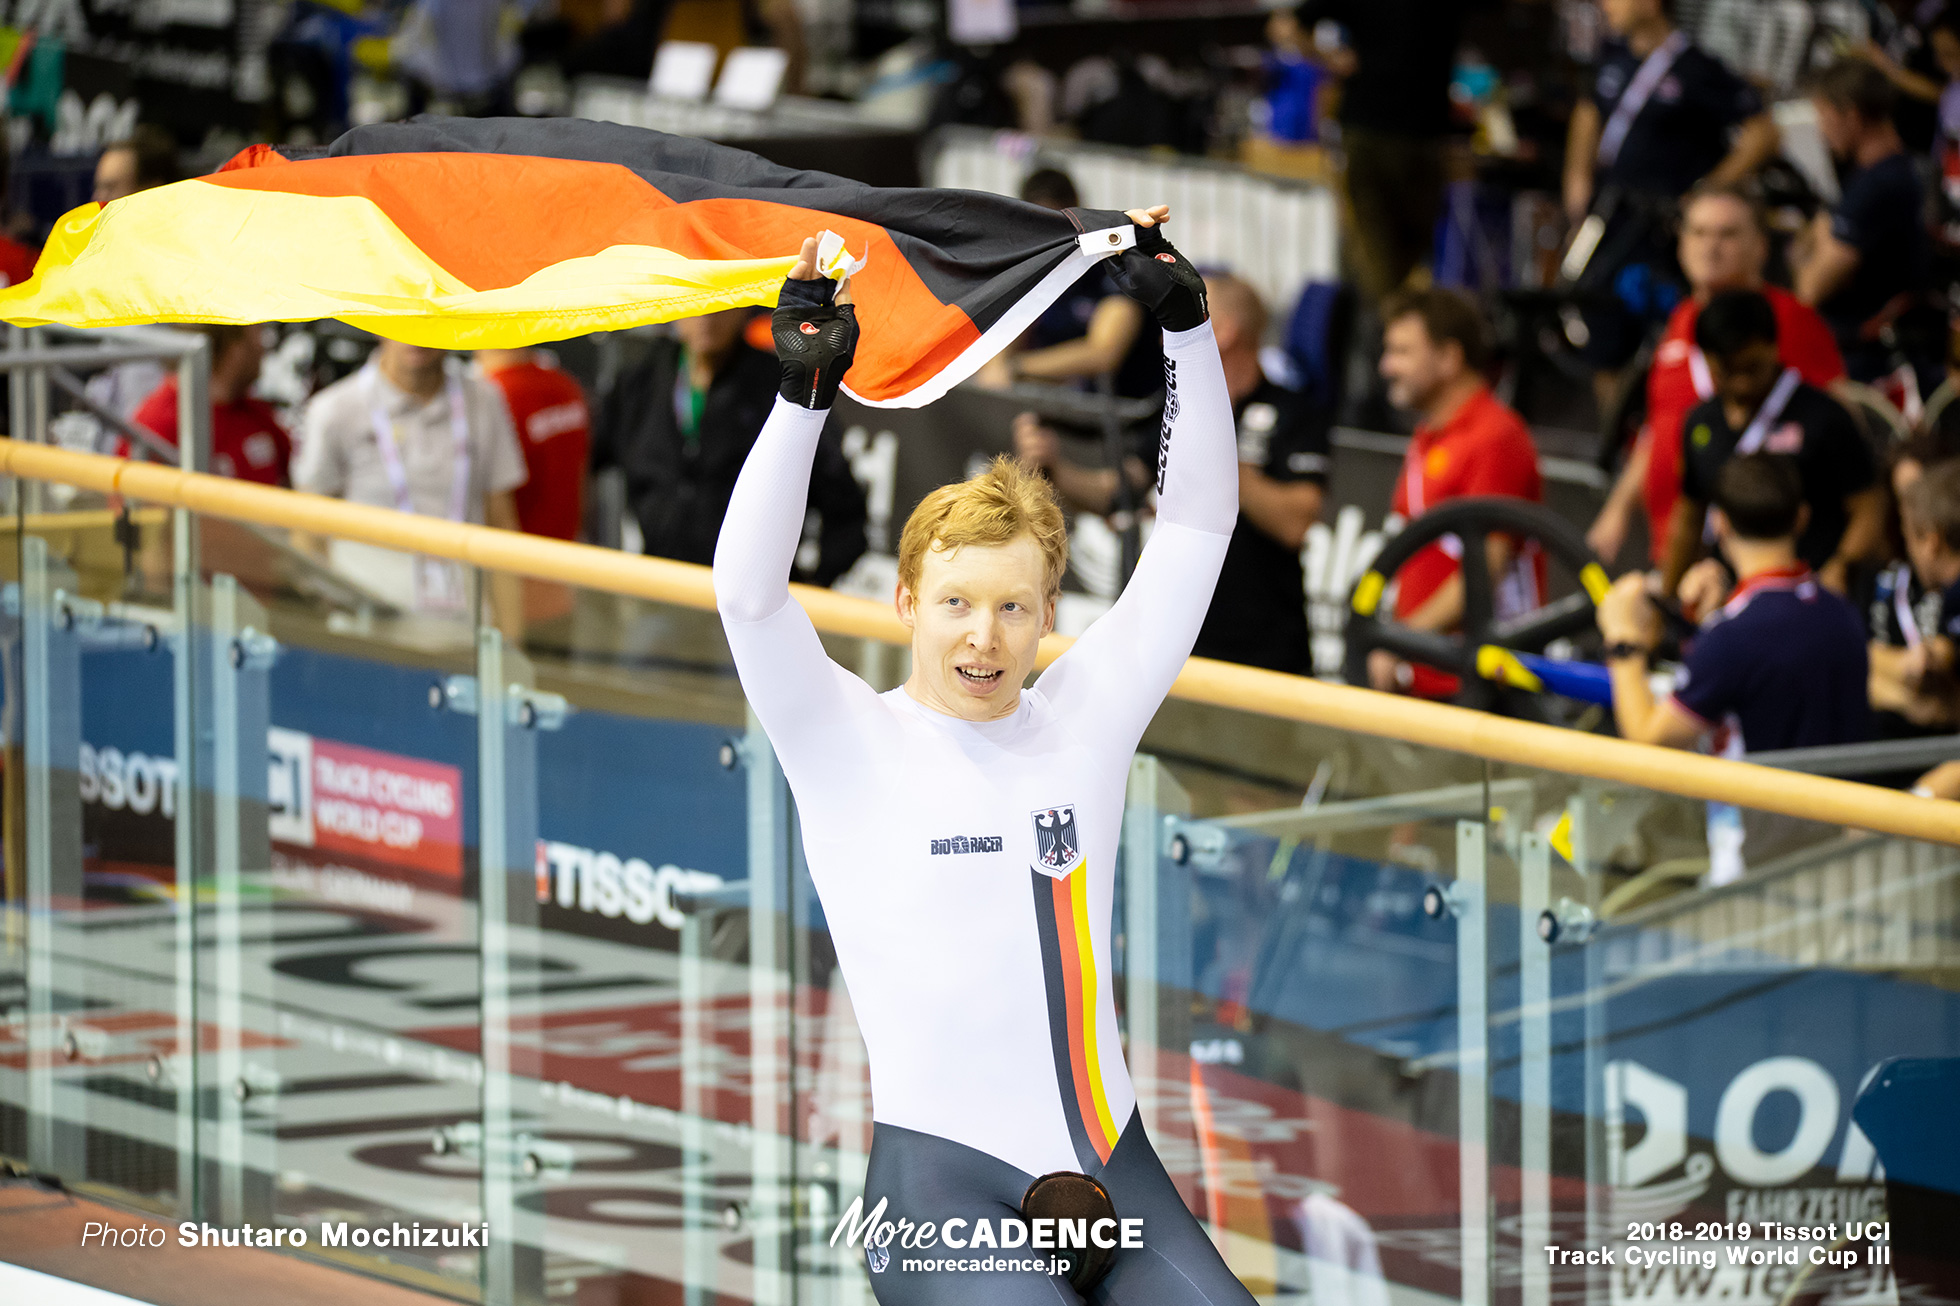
x=996 y=506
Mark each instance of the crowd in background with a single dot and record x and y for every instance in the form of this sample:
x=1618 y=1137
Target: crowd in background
x=1764 y=355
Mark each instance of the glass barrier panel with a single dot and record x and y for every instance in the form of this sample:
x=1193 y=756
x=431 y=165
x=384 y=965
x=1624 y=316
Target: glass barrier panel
x=338 y=873
x=1732 y=1063
x=1302 y=966
x=93 y=1045
x=650 y=1048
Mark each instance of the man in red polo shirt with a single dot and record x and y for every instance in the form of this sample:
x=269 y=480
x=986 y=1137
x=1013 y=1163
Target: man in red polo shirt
x=1724 y=246
x=554 y=429
x=247 y=441
x=1435 y=346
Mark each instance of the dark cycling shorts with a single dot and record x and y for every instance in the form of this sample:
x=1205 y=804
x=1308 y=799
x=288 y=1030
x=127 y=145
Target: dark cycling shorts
x=923 y=1177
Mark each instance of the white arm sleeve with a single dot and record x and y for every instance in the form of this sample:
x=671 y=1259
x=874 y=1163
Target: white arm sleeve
x=1111 y=682
x=805 y=701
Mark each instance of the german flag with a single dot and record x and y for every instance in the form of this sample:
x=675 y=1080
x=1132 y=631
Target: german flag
x=497 y=233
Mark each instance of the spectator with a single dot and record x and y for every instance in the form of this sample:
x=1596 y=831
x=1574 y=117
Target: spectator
x=247 y=440
x=1865 y=263
x=1658 y=120
x=554 y=429
x=1901 y=47
x=1917 y=681
x=1781 y=664
x=1903 y=607
x=147 y=157
x=680 y=426
x=1092 y=331
x=1296 y=80
x=1435 y=348
x=1395 y=120
x=412 y=431
x=1724 y=246
x=1258 y=613
x=16 y=259
x=1763 y=405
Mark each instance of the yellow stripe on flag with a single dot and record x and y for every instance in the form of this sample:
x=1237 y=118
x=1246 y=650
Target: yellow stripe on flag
x=1079 y=905
x=175 y=254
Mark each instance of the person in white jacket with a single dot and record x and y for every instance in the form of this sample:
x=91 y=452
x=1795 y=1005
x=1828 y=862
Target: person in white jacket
x=962 y=830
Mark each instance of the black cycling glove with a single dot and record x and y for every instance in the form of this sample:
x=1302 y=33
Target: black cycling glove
x=1162 y=280
x=815 y=341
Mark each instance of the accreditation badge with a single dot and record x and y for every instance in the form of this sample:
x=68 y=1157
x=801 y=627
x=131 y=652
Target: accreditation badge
x=440 y=587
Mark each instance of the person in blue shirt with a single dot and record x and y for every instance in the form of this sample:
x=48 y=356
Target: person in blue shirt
x=1781 y=664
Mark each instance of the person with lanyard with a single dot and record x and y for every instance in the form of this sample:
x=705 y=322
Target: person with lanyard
x=1258 y=613
x=1663 y=115
x=1761 y=405
x=1865 y=263
x=1724 y=246
x=1916 y=679
x=680 y=425
x=1435 y=345
x=413 y=430
x=1780 y=663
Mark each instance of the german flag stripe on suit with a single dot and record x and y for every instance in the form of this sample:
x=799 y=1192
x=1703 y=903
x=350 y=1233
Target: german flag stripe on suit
x=1068 y=961
x=500 y=233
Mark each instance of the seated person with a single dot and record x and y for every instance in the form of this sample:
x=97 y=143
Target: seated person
x=247 y=440
x=1760 y=405
x=1781 y=664
x=1092 y=331
x=1917 y=681
x=1435 y=345
x=1865 y=263
x=681 y=425
x=1258 y=613
x=1902 y=608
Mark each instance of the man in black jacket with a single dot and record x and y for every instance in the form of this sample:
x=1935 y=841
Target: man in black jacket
x=680 y=426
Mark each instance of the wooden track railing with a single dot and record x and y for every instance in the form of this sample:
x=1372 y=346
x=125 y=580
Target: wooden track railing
x=1269 y=693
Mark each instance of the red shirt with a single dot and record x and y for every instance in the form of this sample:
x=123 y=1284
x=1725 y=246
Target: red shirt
x=247 y=441
x=554 y=429
x=16 y=261
x=1805 y=344
x=1484 y=448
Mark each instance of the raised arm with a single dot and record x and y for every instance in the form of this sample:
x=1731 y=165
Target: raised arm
x=1112 y=681
x=801 y=697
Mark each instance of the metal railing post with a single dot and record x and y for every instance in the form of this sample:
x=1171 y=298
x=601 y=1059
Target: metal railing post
x=769 y=1016
x=240 y=654
x=51 y=747
x=1473 y=1061
x=1535 y=1071
x=513 y=1265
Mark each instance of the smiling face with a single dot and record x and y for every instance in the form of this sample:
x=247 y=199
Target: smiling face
x=978 y=614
